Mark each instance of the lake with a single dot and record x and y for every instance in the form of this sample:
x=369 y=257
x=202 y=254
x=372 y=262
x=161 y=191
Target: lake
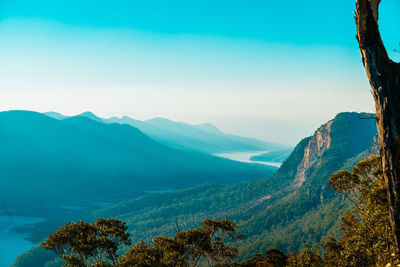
x=12 y=244
x=245 y=157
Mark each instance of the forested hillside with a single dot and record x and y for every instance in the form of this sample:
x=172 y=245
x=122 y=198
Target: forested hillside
x=284 y=211
x=292 y=207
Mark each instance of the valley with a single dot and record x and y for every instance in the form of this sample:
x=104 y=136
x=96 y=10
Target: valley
x=78 y=165
x=199 y=133
x=284 y=211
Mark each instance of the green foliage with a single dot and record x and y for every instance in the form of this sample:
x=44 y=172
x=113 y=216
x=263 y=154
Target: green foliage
x=84 y=244
x=367 y=239
x=188 y=247
x=165 y=252
x=34 y=257
x=97 y=244
x=308 y=257
x=332 y=254
x=209 y=241
x=275 y=257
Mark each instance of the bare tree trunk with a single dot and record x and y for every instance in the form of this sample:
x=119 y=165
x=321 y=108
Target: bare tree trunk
x=384 y=77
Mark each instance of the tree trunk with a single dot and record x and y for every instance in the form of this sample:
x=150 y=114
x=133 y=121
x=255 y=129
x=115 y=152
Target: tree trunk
x=384 y=77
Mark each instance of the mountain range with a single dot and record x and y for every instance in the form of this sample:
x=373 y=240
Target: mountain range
x=49 y=160
x=272 y=212
x=204 y=137
x=284 y=211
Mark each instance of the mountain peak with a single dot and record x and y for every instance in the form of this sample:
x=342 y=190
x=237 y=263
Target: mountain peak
x=345 y=129
x=55 y=115
x=90 y=115
x=208 y=127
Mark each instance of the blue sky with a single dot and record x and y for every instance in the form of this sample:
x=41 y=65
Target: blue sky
x=256 y=68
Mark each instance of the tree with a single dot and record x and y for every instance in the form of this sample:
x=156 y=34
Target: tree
x=164 y=252
x=367 y=239
x=332 y=254
x=97 y=244
x=85 y=244
x=209 y=242
x=308 y=257
x=384 y=77
x=256 y=261
x=275 y=258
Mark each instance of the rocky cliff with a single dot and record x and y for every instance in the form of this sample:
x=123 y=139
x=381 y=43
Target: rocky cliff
x=318 y=144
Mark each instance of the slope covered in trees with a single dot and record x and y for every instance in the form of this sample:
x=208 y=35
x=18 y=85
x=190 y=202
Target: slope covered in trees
x=366 y=239
x=285 y=211
x=274 y=212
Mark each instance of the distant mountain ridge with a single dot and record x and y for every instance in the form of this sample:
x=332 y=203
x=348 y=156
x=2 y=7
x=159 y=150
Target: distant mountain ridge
x=204 y=137
x=77 y=157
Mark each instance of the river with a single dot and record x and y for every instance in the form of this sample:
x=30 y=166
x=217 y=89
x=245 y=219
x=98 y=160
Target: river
x=245 y=157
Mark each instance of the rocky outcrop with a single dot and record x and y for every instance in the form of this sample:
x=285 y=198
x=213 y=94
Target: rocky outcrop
x=318 y=144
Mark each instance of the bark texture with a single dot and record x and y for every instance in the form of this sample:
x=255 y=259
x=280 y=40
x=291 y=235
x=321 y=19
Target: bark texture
x=384 y=77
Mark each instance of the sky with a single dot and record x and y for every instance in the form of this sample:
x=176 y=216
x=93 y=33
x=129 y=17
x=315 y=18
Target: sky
x=274 y=70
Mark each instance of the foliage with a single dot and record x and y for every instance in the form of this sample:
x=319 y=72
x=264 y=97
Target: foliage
x=367 y=239
x=34 y=256
x=332 y=256
x=165 y=252
x=273 y=258
x=308 y=257
x=83 y=244
x=97 y=244
x=188 y=247
x=209 y=242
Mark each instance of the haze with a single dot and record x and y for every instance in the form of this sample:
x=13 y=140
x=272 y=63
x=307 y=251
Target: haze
x=259 y=70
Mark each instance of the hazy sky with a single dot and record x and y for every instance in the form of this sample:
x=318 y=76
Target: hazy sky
x=275 y=70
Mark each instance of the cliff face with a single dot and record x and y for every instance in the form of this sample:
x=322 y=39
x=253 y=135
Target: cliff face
x=332 y=145
x=317 y=145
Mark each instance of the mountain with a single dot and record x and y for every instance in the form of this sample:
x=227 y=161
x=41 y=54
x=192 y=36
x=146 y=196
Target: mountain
x=284 y=211
x=215 y=140
x=45 y=159
x=204 y=137
x=208 y=127
x=290 y=208
x=90 y=115
x=55 y=115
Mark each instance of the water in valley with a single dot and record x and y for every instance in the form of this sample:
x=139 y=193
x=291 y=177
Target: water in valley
x=245 y=157
x=12 y=243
